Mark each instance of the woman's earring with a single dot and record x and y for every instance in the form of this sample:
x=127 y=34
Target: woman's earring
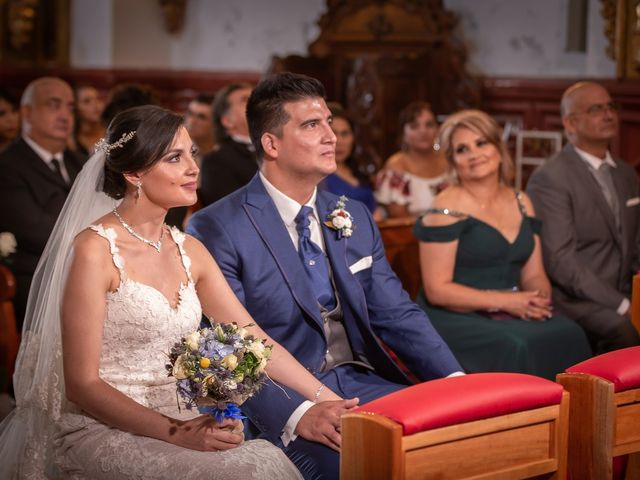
x=138 y=190
x=436 y=147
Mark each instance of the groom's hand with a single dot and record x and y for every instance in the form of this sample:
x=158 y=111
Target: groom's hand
x=321 y=423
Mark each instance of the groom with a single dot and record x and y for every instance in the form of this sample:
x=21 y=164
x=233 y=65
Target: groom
x=327 y=294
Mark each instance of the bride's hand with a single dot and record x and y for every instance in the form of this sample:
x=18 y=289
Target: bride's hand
x=205 y=434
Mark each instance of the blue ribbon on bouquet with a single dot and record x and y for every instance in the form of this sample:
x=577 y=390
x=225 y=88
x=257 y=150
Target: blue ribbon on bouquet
x=230 y=411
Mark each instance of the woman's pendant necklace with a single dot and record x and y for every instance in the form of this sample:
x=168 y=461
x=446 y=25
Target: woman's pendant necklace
x=126 y=226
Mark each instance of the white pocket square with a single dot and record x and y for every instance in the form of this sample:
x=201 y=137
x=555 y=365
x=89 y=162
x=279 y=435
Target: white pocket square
x=361 y=264
x=632 y=202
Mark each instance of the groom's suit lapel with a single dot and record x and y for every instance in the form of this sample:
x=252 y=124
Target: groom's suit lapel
x=265 y=218
x=336 y=250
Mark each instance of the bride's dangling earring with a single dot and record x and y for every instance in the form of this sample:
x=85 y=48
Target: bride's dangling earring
x=138 y=190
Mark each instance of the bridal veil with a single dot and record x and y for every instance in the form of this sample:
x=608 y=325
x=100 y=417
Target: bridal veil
x=38 y=381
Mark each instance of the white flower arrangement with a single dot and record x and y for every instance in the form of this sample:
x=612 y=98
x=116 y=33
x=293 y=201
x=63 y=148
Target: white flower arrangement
x=340 y=219
x=8 y=244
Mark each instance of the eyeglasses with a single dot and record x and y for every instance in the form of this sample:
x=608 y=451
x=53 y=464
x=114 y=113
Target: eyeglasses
x=598 y=109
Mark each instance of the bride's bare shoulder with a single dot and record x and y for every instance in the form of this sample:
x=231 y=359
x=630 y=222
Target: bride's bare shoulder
x=201 y=258
x=92 y=241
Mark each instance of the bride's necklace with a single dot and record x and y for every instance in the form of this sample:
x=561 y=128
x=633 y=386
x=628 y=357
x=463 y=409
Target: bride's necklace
x=126 y=226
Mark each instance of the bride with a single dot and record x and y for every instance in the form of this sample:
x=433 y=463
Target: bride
x=93 y=397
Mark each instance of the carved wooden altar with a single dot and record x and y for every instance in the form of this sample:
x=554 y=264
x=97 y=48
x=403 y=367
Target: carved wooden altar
x=622 y=28
x=34 y=33
x=375 y=57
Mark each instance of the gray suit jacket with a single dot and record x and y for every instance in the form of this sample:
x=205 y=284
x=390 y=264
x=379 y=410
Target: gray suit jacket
x=589 y=263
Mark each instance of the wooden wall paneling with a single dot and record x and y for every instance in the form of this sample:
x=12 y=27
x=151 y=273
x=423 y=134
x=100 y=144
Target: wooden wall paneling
x=174 y=89
x=537 y=103
x=629 y=149
x=534 y=103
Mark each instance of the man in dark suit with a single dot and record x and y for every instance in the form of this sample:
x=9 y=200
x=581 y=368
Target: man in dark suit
x=36 y=173
x=589 y=203
x=314 y=277
x=233 y=163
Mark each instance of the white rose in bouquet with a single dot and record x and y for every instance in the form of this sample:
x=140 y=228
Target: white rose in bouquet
x=192 y=341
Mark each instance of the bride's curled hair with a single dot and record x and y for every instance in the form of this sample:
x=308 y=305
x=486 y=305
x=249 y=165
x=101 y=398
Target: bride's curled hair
x=154 y=128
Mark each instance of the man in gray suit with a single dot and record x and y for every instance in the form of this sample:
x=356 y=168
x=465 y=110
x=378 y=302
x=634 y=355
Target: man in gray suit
x=589 y=203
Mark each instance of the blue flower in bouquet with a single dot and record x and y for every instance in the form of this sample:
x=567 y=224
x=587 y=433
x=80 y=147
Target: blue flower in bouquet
x=212 y=348
x=218 y=368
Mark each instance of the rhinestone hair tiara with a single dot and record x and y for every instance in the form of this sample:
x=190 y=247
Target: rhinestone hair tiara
x=106 y=148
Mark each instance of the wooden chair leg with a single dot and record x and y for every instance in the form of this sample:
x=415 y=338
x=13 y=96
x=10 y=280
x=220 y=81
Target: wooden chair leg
x=384 y=458
x=633 y=467
x=591 y=426
x=635 y=302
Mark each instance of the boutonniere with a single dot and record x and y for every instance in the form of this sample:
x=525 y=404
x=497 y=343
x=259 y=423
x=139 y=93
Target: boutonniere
x=340 y=220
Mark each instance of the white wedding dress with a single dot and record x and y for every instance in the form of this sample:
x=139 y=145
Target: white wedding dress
x=139 y=329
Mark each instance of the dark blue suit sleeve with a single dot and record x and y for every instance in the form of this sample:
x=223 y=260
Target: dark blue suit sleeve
x=272 y=406
x=399 y=322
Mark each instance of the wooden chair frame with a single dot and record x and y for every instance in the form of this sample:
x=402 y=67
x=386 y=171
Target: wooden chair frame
x=602 y=425
x=401 y=249
x=635 y=302
x=514 y=446
x=9 y=336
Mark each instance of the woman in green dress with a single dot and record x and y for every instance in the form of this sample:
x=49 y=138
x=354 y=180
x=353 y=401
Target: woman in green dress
x=485 y=288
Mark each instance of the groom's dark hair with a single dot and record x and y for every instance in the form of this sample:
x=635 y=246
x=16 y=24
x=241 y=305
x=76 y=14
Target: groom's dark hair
x=265 y=108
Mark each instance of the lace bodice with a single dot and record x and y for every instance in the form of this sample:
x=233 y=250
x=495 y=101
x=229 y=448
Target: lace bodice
x=139 y=329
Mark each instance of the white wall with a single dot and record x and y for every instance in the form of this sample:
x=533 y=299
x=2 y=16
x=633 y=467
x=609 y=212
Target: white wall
x=505 y=37
x=528 y=38
x=237 y=35
x=91 y=33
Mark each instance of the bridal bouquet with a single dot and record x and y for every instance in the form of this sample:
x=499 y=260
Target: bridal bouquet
x=218 y=368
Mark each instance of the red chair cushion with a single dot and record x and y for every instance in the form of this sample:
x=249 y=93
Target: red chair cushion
x=620 y=367
x=449 y=401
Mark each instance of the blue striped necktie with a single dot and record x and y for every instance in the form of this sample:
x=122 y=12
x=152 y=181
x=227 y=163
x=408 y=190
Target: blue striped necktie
x=314 y=261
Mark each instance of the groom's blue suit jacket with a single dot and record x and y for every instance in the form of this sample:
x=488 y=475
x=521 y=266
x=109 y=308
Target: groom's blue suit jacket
x=250 y=242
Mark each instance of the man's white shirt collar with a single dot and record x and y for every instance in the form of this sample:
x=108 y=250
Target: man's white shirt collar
x=43 y=153
x=593 y=161
x=288 y=209
x=47 y=157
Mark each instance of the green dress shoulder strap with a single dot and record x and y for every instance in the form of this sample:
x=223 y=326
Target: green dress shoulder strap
x=441 y=233
x=536 y=223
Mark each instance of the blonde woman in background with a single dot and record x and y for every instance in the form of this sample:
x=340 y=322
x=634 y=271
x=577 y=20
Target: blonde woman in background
x=485 y=288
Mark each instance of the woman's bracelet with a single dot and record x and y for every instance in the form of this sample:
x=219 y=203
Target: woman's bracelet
x=317 y=395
